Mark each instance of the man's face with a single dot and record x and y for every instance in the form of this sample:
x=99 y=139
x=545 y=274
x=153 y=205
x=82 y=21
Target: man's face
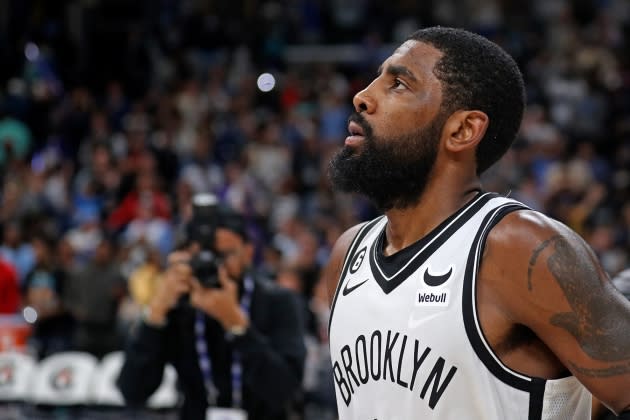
x=236 y=254
x=395 y=132
x=103 y=252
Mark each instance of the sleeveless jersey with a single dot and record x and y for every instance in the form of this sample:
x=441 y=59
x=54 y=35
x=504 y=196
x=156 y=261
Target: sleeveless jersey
x=405 y=340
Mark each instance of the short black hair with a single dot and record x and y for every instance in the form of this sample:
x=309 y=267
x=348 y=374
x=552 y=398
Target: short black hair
x=222 y=216
x=478 y=74
x=230 y=219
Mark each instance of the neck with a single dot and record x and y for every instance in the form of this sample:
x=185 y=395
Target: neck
x=436 y=204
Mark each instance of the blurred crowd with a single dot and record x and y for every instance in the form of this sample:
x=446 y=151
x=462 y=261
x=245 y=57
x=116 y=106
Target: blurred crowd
x=114 y=114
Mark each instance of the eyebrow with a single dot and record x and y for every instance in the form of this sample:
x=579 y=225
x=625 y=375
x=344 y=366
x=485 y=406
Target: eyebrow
x=394 y=70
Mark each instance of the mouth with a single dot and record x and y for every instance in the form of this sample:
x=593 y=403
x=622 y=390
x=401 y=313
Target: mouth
x=356 y=134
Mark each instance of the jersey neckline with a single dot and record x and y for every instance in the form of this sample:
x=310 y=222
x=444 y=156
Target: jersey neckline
x=390 y=271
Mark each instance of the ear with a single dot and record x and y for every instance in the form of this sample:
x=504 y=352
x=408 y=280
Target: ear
x=465 y=129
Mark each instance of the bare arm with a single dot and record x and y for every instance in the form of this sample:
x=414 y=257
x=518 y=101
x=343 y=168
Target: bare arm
x=333 y=269
x=549 y=280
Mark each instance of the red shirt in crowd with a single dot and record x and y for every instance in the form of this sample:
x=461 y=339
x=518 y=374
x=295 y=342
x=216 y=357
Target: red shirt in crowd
x=9 y=289
x=129 y=208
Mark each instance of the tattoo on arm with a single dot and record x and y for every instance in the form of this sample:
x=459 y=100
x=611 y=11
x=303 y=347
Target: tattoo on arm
x=613 y=370
x=534 y=257
x=594 y=320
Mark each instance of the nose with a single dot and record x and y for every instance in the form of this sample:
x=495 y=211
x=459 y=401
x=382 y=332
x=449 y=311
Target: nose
x=363 y=102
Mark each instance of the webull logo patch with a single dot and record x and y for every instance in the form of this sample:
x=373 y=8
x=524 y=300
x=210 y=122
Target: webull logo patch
x=433 y=298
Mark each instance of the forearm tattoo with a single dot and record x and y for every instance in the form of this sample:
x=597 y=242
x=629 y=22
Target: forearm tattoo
x=594 y=321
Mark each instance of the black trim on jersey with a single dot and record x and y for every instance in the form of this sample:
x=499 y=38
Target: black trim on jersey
x=402 y=264
x=348 y=260
x=536 y=397
x=473 y=331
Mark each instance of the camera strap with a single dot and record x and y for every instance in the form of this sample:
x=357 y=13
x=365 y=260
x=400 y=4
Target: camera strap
x=205 y=364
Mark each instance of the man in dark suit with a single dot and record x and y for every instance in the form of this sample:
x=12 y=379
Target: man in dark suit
x=237 y=345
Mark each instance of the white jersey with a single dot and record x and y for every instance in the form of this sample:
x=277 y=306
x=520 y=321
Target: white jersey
x=405 y=340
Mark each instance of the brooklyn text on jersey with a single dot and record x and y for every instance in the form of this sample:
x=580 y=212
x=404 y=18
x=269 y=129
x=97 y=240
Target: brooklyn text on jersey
x=385 y=356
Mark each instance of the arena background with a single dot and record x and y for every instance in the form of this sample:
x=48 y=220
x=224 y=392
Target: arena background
x=108 y=107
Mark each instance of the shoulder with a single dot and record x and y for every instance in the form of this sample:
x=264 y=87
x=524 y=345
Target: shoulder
x=531 y=262
x=523 y=235
x=273 y=296
x=524 y=239
x=267 y=288
x=275 y=307
x=535 y=265
x=343 y=243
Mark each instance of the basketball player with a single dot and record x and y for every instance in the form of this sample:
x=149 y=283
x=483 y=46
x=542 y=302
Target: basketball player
x=460 y=303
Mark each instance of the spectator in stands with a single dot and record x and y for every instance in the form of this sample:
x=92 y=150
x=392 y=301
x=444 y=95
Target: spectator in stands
x=43 y=289
x=148 y=230
x=200 y=171
x=237 y=347
x=93 y=295
x=9 y=290
x=144 y=279
x=146 y=192
x=83 y=238
x=12 y=198
x=15 y=139
x=16 y=251
x=96 y=182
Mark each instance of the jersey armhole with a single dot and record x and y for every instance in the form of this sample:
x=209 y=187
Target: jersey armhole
x=469 y=304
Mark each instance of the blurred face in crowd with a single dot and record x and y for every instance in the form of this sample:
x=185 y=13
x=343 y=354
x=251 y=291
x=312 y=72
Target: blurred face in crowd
x=394 y=134
x=41 y=250
x=236 y=254
x=12 y=235
x=103 y=253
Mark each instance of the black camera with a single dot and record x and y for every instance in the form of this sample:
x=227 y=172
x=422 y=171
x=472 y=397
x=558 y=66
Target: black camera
x=201 y=229
x=205 y=266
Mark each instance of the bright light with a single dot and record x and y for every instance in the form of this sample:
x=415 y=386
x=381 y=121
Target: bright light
x=30 y=314
x=266 y=82
x=31 y=51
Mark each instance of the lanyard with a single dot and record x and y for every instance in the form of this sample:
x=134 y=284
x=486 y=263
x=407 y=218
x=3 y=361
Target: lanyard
x=204 y=359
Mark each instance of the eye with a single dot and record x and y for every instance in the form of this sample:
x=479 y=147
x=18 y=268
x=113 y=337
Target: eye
x=398 y=84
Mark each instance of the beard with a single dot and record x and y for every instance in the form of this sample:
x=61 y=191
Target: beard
x=391 y=171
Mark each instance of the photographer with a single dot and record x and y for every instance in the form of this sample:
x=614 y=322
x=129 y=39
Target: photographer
x=236 y=341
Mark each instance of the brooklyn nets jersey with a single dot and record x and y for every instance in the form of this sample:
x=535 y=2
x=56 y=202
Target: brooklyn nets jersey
x=405 y=339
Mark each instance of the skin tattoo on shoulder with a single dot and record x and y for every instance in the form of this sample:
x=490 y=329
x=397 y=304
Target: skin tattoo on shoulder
x=534 y=257
x=601 y=334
